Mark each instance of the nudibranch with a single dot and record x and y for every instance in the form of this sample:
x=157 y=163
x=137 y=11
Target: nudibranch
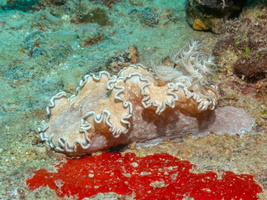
x=142 y=105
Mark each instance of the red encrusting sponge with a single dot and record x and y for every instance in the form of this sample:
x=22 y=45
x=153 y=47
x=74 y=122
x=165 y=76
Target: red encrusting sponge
x=157 y=177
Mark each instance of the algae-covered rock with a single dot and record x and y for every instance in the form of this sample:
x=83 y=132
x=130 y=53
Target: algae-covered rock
x=242 y=47
x=23 y=5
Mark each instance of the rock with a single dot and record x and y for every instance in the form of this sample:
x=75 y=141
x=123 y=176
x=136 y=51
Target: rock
x=210 y=14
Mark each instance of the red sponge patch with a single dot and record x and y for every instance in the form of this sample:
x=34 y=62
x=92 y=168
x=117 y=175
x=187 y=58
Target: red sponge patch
x=157 y=177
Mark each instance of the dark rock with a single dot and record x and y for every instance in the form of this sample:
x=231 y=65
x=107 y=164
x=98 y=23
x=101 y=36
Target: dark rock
x=210 y=14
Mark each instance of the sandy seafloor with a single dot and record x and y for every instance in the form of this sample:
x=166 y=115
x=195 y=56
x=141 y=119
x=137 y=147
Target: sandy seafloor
x=28 y=83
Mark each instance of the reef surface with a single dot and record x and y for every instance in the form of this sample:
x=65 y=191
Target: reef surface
x=43 y=52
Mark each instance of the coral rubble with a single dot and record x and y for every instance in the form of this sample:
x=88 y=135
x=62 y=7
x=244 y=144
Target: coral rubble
x=141 y=106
